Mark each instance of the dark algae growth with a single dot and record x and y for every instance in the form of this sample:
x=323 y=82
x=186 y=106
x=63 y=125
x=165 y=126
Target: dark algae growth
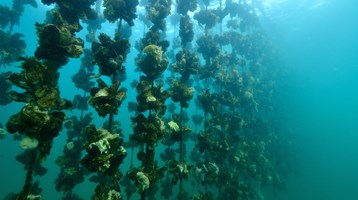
x=163 y=99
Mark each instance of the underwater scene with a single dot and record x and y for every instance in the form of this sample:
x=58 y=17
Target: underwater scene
x=179 y=99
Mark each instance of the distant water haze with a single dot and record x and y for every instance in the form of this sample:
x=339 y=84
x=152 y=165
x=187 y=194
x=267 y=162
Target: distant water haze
x=319 y=44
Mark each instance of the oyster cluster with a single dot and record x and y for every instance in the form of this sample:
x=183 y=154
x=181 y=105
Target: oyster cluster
x=106 y=99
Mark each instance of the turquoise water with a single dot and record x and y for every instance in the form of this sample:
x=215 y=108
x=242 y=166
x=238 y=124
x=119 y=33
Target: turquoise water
x=320 y=50
x=318 y=46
